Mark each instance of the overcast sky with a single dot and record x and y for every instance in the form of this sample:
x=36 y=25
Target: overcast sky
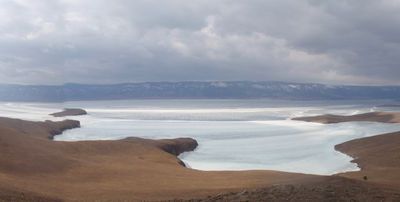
x=111 y=41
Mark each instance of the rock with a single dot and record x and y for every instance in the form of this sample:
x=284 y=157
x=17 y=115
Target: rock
x=178 y=146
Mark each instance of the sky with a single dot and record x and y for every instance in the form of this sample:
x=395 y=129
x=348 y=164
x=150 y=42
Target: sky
x=103 y=41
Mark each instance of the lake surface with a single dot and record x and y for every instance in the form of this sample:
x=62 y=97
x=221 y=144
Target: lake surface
x=232 y=134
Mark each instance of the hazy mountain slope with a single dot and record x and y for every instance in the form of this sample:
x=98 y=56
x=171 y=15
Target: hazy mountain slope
x=233 y=89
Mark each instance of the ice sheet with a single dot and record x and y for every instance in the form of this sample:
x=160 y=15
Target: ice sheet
x=232 y=134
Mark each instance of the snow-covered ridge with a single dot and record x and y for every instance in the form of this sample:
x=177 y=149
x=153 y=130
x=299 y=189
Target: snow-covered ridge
x=209 y=90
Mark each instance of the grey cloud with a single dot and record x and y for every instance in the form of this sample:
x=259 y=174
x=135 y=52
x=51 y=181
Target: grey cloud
x=355 y=42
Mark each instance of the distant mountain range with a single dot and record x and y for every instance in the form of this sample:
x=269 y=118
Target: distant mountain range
x=195 y=90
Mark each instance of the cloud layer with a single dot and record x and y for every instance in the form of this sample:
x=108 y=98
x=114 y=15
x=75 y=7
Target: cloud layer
x=100 y=41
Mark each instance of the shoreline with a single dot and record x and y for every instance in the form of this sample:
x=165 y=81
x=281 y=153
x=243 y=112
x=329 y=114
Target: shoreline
x=368 y=151
x=141 y=169
x=382 y=117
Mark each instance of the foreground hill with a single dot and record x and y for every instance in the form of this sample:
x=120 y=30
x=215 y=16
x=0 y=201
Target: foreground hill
x=199 y=90
x=35 y=168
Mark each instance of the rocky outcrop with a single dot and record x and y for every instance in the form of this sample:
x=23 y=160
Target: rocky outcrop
x=177 y=146
x=172 y=146
x=56 y=128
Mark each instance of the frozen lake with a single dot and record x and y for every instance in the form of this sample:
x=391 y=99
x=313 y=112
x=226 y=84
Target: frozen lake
x=232 y=134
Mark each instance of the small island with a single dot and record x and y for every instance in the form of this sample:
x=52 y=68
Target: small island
x=70 y=112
